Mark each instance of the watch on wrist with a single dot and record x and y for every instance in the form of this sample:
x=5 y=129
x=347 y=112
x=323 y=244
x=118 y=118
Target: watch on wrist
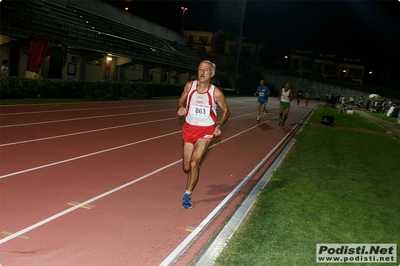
x=220 y=126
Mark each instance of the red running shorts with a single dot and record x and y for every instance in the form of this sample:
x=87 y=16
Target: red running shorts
x=193 y=133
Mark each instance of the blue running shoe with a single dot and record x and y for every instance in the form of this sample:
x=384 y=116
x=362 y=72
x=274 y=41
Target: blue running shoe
x=186 y=204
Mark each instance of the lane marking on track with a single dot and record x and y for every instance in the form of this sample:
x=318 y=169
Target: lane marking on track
x=174 y=255
x=87 y=202
x=55 y=216
x=83 y=118
x=219 y=242
x=88 y=117
x=236 y=135
x=188 y=229
x=87 y=155
x=85 y=132
x=74 y=203
x=75 y=110
x=9 y=233
x=118 y=147
x=94 y=130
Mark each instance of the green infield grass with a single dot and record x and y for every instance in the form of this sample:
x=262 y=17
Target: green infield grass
x=336 y=185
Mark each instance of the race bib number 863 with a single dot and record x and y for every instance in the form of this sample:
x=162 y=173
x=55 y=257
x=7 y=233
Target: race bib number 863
x=200 y=111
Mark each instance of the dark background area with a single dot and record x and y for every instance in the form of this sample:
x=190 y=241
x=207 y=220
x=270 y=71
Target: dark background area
x=367 y=28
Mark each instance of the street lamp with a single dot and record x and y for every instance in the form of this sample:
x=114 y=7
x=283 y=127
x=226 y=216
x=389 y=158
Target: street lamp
x=369 y=79
x=183 y=15
x=239 y=43
x=286 y=63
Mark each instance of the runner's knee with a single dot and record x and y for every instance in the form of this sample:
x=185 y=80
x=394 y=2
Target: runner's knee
x=186 y=167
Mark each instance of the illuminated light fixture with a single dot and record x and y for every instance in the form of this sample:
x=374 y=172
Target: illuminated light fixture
x=109 y=58
x=184 y=9
x=126 y=8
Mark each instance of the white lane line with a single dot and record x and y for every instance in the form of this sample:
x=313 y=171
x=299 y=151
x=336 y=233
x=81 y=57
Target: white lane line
x=86 y=155
x=76 y=109
x=49 y=219
x=115 y=148
x=236 y=135
x=83 y=118
x=178 y=251
x=92 y=117
x=84 y=132
x=23 y=231
x=220 y=241
x=95 y=130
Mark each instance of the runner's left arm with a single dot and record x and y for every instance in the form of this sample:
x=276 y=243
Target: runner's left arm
x=221 y=101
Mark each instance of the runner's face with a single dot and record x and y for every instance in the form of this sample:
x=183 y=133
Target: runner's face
x=205 y=71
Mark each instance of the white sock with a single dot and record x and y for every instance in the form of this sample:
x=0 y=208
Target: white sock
x=188 y=192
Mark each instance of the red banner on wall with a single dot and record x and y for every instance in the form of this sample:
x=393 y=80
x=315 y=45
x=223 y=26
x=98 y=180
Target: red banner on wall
x=37 y=50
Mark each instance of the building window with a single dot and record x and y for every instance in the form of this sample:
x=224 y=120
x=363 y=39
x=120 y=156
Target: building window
x=203 y=39
x=71 y=69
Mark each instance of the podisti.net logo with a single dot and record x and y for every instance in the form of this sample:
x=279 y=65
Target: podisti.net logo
x=356 y=253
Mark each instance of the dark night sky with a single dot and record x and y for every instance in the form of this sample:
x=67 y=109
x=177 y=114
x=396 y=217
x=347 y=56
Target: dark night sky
x=370 y=28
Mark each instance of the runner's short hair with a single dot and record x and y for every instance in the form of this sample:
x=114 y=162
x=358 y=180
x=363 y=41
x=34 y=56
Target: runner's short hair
x=213 y=65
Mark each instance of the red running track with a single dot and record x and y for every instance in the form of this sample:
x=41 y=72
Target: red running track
x=102 y=183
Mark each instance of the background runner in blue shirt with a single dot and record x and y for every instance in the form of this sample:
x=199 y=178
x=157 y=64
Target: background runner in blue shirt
x=263 y=92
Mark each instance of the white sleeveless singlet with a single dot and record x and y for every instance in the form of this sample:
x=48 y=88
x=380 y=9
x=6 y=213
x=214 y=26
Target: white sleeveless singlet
x=201 y=107
x=285 y=96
